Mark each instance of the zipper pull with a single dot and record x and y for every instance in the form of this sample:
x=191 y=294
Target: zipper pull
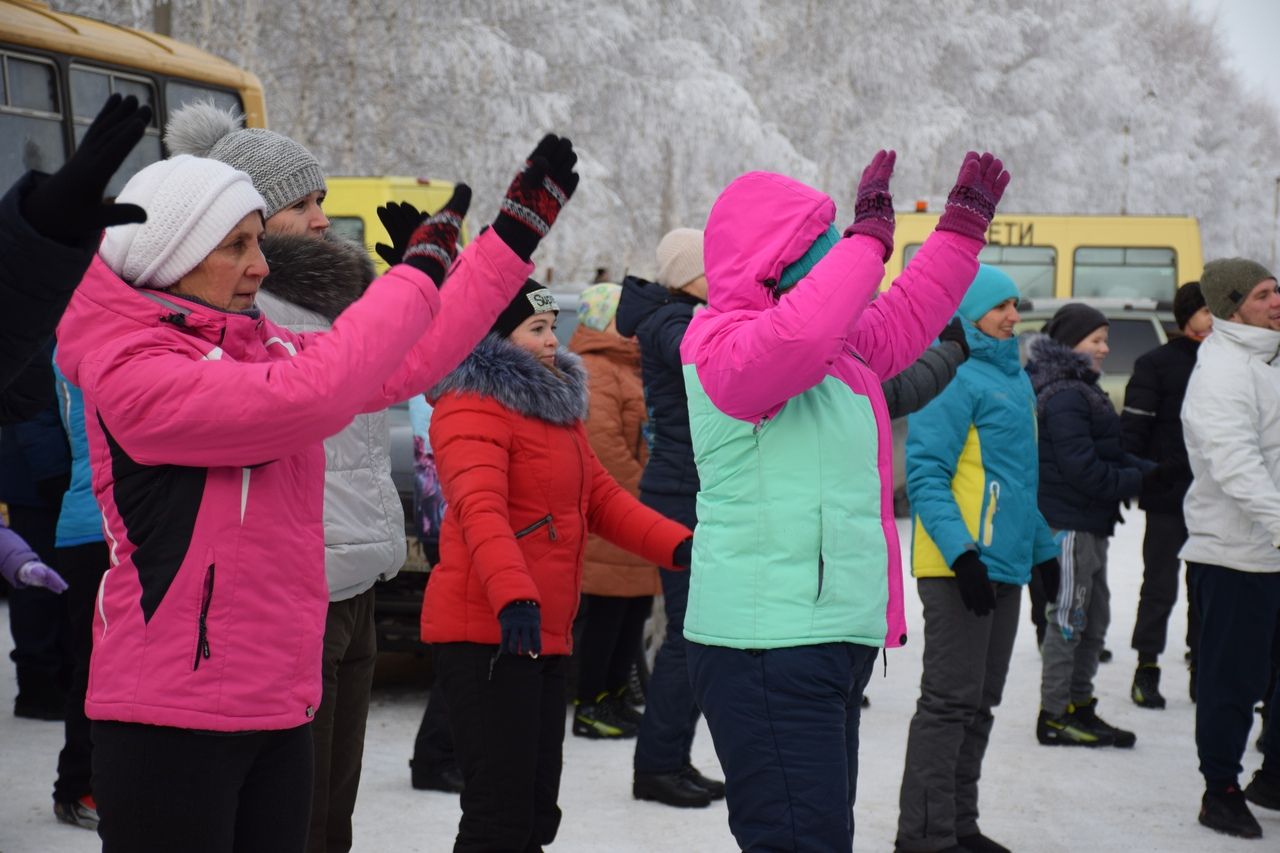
x=551 y=527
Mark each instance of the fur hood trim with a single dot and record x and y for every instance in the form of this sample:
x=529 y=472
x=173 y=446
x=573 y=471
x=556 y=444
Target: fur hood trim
x=1050 y=361
x=503 y=371
x=324 y=276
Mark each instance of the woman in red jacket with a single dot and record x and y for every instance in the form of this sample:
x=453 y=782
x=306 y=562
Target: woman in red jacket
x=523 y=490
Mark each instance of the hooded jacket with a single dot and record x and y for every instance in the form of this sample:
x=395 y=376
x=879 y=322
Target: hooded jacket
x=310 y=284
x=1231 y=421
x=658 y=318
x=205 y=433
x=796 y=541
x=1084 y=469
x=523 y=489
x=972 y=469
x=615 y=428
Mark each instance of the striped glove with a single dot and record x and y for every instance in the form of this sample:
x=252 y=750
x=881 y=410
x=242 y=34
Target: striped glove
x=534 y=199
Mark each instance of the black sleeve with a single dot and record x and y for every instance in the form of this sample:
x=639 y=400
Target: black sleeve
x=1141 y=406
x=913 y=389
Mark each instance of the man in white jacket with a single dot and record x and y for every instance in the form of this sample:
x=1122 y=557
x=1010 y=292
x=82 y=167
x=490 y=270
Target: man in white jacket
x=1231 y=418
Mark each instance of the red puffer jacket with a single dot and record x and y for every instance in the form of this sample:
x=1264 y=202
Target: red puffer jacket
x=523 y=489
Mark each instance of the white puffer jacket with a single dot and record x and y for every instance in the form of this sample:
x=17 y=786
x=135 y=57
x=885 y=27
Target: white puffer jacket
x=310 y=282
x=1231 y=420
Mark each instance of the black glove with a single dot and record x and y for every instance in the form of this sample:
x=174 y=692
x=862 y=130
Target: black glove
x=400 y=219
x=683 y=557
x=1051 y=577
x=67 y=206
x=434 y=243
x=521 y=629
x=534 y=199
x=954 y=332
x=1158 y=475
x=975 y=587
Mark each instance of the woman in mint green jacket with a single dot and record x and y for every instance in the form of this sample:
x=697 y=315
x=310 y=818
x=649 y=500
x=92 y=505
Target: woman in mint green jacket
x=972 y=477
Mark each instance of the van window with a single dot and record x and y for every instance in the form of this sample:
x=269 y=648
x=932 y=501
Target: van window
x=178 y=93
x=1139 y=273
x=1129 y=340
x=89 y=88
x=348 y=228
x=30 y=117
x=1030 y=267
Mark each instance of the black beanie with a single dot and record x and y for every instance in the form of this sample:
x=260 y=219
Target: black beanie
x=1186 y=302
x=1074 y=322
x=532 y=298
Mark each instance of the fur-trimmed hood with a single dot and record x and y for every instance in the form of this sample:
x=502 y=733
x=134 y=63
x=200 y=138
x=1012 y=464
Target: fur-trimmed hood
x=499 y=369
x=1049 y=361
x=324 y=276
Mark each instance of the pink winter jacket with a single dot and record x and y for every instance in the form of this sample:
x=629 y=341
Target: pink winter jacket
x=753 y=353
x=205 y=434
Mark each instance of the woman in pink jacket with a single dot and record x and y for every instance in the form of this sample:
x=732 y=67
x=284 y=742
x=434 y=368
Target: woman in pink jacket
x=205 y=424
x=796 y=580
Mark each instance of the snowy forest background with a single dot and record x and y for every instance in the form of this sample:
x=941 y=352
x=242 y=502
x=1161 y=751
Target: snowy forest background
x=1095 y=106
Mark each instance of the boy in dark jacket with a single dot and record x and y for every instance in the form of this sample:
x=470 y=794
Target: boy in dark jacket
x=1151 y=426
x=1084 y=474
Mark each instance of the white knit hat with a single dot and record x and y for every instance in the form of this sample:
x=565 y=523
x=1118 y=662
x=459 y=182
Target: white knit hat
x=680 y=258
x=191 y=204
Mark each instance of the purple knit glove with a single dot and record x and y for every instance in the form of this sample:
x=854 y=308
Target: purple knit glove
x=36 y=573
x=873 y=210
x=972 y=202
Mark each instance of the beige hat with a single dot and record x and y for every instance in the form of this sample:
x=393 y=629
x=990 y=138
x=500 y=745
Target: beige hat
x=680 y=258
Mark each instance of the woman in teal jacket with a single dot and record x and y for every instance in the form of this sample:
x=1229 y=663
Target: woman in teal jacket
x=972 y=477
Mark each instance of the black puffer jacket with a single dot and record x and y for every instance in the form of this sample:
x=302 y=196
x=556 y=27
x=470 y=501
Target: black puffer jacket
x=1152 y=421
x=1084 y=470
x=658 y=318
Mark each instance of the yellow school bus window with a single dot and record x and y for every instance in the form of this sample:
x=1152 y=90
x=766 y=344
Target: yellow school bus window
x=89 y=88
x=178 y=94
x=1030 y=267
x=348 y=228
x=30 y=118
x=1129 y=273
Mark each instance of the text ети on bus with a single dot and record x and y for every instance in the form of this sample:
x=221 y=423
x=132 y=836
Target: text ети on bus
x=1066 y=257
x=56 y=70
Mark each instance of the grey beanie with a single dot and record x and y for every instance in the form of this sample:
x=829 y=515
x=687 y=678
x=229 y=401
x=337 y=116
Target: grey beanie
x=1074 y=322
x=1227 y=281
x=282 y=171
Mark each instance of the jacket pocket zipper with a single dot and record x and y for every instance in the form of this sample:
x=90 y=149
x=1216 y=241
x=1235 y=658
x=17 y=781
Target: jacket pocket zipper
x=822 y=572
x=989 y=525
x=542 y=522
x=202 y=640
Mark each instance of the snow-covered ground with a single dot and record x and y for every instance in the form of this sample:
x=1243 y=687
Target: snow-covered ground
x=1034 y=798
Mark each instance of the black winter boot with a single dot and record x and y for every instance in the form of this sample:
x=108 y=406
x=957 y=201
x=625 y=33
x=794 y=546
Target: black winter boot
x=1086 y=716
x=1146 y=687
x=1226 y=812
x=979 y=843
x=602 y=719
x=1264 y=790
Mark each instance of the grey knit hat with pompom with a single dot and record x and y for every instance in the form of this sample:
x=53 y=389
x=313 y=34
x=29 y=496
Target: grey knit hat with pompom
x=281 y=169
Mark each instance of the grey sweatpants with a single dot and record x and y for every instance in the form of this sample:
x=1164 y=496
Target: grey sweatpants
x=966 y=660
x=1078 y=623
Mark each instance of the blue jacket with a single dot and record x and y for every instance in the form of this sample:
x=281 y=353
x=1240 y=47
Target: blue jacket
x=80 y=520
x=658 y=318
x=972 y=475
x=1084 y=469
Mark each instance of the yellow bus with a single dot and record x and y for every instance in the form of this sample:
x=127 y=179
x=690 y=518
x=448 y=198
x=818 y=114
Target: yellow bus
x=352 y=203
x=1067 y=257
x=56 y=70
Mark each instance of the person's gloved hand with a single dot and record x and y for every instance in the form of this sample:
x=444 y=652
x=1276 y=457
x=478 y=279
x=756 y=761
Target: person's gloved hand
x=683 y=557
x=972 y=201
x=1051 y=576
x=434 y=243
x=67 y=206
x=1157 y=474
x=36 y=573
x=521 y=623
x=975 y=587
x=534 y=199
x=400 y=219
x=954 y=332
x=873 y=209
